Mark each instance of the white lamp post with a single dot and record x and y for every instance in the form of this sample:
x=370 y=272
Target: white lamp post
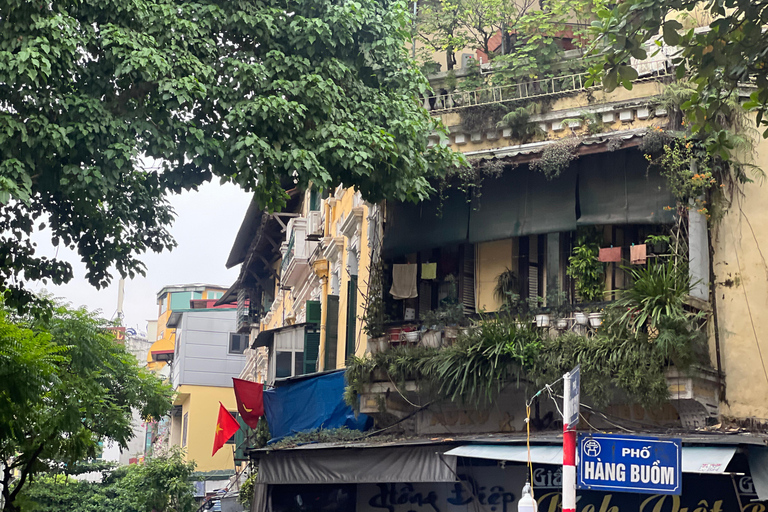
x=526 y=502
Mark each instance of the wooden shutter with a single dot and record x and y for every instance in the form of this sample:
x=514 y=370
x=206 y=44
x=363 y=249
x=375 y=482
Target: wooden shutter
x=311 y=349
x=331 y=331
x=351 y=315
x=467 y=278
x=313 y=312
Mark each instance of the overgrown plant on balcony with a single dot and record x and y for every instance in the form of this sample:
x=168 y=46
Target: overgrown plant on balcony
x=584 y=267
x=557 y=157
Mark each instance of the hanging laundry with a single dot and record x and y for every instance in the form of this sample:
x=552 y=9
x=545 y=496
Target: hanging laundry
x=404 y=281
x=637 y=254
x=429 y=270
x=610 y=254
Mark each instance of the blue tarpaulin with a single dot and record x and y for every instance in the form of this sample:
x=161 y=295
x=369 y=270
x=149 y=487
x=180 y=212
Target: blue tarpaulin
x=310 y=404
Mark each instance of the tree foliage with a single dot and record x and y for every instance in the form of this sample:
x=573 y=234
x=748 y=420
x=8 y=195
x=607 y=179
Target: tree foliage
x=262 y=94
x=75 y=387
x=721 y=45
x=161 y=484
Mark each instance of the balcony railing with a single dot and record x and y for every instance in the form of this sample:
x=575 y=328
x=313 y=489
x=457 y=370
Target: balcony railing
x=288 y=253
x=524 y=90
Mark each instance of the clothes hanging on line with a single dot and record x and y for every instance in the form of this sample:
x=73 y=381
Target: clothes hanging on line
x=637 y=254
x=404 y=281
x=610 y=254
x=429 y=270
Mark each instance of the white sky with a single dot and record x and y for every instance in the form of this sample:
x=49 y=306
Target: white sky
x=205 y=228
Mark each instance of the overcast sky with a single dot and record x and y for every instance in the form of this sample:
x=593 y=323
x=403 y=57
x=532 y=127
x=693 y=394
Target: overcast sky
x=205 y=228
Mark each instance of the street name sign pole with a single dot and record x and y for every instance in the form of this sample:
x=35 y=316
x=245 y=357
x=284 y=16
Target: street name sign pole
x=572 y=382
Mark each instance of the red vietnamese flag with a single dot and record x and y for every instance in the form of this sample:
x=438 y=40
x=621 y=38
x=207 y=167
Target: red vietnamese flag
x=226 y=426
x=250 y=400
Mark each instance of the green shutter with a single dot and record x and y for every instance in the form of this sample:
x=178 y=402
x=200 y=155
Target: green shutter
x=311 y=349
x=313 y=312
x=331 y=331
x=351 y=315
x=241 y=436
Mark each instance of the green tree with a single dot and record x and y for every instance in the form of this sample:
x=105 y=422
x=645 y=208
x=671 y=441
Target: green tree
x=78 y=387
x=162 y=484
x=108 y=106
x=730 y=49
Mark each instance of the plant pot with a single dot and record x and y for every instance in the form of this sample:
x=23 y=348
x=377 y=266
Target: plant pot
x=451 y=332
x=542 y=320
x=431 y=339
x=411 y=336
x=595 y=319
x=562 y=323
x=581 y=318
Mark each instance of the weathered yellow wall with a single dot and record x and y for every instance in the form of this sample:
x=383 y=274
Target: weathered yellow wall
x=574 y=103
x=493 y=258
x=740 y=242
x=203 y=408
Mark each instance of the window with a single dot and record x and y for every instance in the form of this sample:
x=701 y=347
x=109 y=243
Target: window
x=237 y=343
x=231 y=440
x=215 y=295
x=283 y=364
x=164 y=304
x=184 y=427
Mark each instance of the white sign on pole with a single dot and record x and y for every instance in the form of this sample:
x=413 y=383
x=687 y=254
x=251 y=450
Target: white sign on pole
x=572 y=396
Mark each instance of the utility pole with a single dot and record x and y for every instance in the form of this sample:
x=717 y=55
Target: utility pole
x=571 y=386
x=120 y=297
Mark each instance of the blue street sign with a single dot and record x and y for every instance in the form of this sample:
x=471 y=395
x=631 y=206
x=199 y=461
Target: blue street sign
x=630 y=464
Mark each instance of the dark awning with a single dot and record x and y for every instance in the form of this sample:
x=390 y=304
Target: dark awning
x=523 y=202
x=265 y=338
x=357 y=466
x=606 y=188
x=619 y=188
x=414 y=227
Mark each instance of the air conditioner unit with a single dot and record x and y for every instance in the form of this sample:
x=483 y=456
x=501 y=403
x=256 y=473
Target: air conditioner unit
x=314 y=223
x=466 y=59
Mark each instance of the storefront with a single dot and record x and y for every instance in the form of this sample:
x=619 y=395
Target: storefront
x=448 y=476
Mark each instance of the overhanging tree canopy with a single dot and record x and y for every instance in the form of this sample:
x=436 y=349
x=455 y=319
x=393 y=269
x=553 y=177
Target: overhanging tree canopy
x=254 y=92
x=729 y=50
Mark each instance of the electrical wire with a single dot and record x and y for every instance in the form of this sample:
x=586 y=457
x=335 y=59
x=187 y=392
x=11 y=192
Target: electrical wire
x=528 y=444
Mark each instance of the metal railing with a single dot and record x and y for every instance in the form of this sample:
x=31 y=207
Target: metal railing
x=288 y=254
x=525 y=90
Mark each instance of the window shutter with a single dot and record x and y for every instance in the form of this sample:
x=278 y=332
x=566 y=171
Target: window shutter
x=241 y=437
x=331 y=331
x=313 y=312
x=351 y=315
x=467 y=278
x=311 y=349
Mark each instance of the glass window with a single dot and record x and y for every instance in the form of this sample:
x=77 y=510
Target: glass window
x=215 y=295
x=298 y=367
x=237 y=343
x=184 y=427
x=283 y=364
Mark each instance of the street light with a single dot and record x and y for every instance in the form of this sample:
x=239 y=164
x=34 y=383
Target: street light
x=526 y=502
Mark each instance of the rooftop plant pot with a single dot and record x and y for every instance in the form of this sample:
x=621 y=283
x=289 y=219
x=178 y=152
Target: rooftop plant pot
x=595 y=319
x=562 y=323
x=542 y=320
x=580 y=317
x=451 y=332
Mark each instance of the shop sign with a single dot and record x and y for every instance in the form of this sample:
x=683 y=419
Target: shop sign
x=630 y=464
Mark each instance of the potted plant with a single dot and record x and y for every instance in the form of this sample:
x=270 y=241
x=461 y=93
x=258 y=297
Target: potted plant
x=595 y=319
x=538 y=312
x=557 y=304
x=447 y=317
